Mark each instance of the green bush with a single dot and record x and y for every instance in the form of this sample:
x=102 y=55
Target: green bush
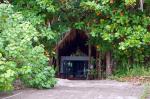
x=7 y=74
x=22 y=55
x=38 y=77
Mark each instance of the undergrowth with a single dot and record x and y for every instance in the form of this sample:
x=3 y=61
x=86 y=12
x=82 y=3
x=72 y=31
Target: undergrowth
x=146 y=93
x=131 y=71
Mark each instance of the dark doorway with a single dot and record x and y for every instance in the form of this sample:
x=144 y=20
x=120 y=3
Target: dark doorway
x=74 y=55
x=74 y=67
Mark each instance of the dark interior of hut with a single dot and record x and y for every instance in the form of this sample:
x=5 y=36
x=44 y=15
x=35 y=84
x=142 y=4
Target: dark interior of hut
x=74 y=44
x=73 y=41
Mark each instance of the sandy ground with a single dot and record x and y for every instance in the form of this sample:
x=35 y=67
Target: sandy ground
x=83 y=89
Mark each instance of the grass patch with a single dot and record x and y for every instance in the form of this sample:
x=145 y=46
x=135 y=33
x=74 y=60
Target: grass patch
x=132 y=73
x=146 y=93
x=132 y=70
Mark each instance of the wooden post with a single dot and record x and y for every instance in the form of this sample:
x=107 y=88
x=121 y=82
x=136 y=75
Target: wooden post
x=108 y=64
x=57 y=59
x=97 y=65
x=89 y=61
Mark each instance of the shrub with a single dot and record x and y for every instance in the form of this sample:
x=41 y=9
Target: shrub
x=23 y=54
x=38 y=77
x=7 y=74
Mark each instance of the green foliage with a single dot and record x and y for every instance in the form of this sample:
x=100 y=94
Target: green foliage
x=46 y=4
x=128 y=70
x=38 y=77
x=124 y=30
x=114 y=25
x=130 y=2
x=145 y=94
x=16 y=39
x=20 y=47
x=7 y=74
x=90 y=5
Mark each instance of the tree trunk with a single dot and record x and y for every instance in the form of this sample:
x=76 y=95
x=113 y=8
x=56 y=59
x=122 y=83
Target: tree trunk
x=108 y=64
x=98 y=64
x=142 y=5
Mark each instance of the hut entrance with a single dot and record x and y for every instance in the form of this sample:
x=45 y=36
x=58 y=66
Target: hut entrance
x=74 y=55
x=77 y=59
x=74 y=67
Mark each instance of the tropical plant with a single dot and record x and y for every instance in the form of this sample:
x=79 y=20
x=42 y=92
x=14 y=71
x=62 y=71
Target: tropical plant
x=38 y=77
x=20 y=47
x=7 y=74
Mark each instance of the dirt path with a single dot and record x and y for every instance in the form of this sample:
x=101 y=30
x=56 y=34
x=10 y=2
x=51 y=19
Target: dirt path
x=66 y=89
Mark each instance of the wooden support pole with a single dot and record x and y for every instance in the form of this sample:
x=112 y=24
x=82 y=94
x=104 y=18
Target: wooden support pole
x=57 y=59
x=89 y=61
x=108 y=64
x=97 y=65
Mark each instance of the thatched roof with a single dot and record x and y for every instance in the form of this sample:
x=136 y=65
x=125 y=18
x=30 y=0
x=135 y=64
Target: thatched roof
x=72 y=41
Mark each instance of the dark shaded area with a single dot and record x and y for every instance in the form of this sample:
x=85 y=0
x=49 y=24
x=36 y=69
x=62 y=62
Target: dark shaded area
x=74 y=40
x=75 y=70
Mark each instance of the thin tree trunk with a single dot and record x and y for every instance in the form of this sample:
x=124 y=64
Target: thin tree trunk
x=142 y=5
x=98 y=63
x=108 y=64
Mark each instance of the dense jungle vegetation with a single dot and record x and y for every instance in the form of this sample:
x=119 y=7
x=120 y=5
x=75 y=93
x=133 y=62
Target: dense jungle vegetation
x=29 y=30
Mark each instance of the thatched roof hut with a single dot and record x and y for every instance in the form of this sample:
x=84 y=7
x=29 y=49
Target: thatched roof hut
x=70 y=64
